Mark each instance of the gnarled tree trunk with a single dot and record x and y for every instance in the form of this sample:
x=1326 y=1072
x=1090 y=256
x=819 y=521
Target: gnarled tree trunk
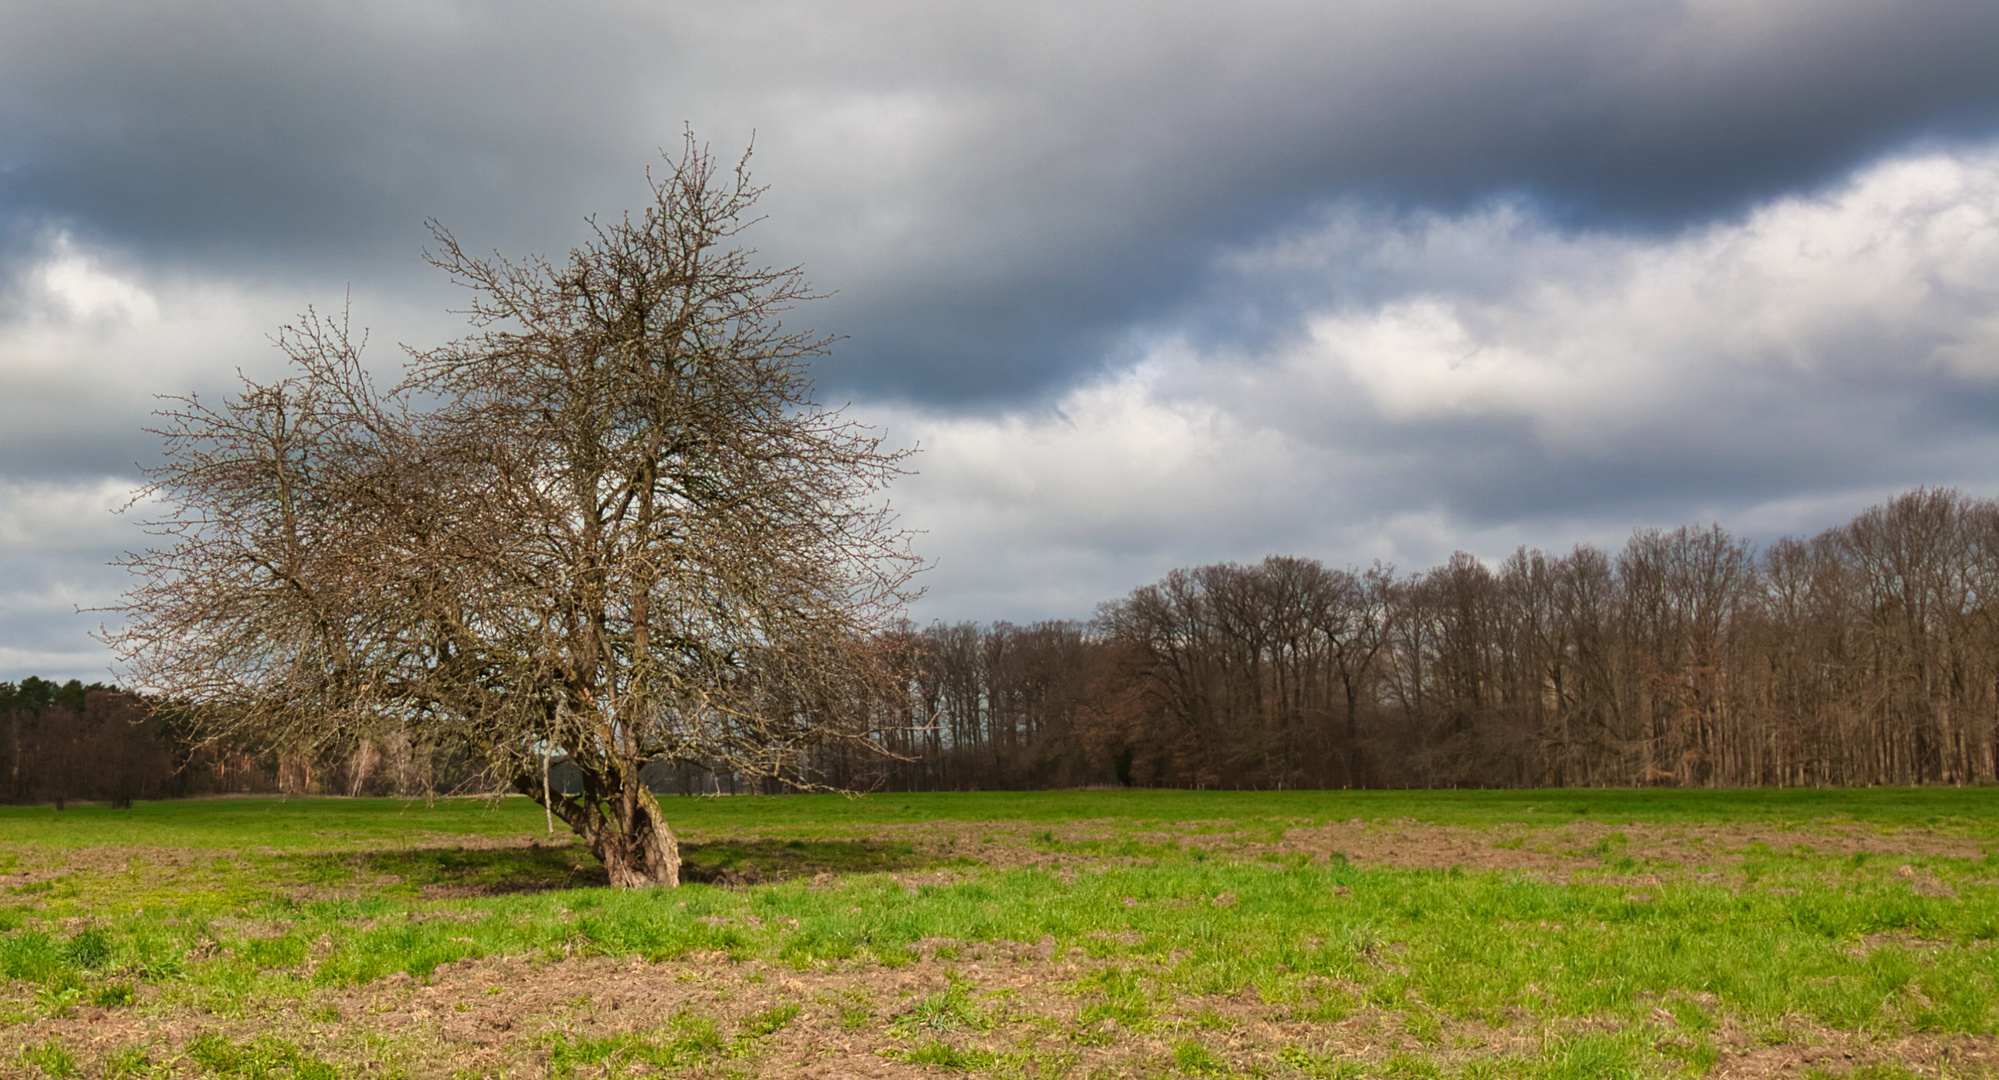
x=636 y=847
x=624 y=828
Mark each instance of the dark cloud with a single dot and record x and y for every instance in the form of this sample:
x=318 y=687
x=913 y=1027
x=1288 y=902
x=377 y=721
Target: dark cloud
x=49 y=595
x=1649 y=116
x=1157 y=283
x=1059 y=172
x=1505 y=378
x=241 y=134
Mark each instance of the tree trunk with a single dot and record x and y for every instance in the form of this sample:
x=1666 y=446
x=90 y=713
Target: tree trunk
x=626 y=832
x=638 y=849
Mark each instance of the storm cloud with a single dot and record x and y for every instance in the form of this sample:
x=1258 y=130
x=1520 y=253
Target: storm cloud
x=1153 y=284
x=1504 y=380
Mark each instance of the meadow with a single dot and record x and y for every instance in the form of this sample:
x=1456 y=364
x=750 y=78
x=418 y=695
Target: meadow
x=1546 y=934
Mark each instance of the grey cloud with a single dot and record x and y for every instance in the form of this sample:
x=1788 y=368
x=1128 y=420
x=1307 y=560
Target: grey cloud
x=57 y=539
x=1039 y=177
x=1016 y=207
x=1774 y=373
x=55 y=429
x=252 y=134
x=1647 y=116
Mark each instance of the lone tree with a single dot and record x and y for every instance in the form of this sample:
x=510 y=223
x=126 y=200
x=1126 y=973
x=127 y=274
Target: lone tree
x=610 y=526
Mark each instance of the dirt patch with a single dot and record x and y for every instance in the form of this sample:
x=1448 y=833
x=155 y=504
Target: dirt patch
x=1555 y=851
x=1520 y=847
x=37 y=865
x=1016 y=1006
x=954 y=1007
x=1836 y=1055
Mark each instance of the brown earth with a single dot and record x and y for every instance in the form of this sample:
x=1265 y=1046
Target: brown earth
x=500 y=1017
x=1020 y=1003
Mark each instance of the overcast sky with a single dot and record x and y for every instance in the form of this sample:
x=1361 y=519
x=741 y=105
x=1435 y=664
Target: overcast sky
x=1152 y=284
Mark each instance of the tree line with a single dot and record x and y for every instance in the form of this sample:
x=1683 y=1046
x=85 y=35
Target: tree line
x=68 y=741
x=72 y=742
x=1868 y=654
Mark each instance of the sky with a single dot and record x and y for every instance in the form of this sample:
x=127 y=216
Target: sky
x=1150 y=284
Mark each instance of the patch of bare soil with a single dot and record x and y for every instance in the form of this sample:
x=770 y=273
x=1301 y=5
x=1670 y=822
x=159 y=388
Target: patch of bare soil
x=1843 y=1055
x=1555 y=851
x=1581 y=844
x=1023 y=1008
x=1021 y=1005
x=36 y=865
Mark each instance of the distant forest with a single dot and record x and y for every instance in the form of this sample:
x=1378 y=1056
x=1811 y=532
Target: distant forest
x=71 y=742
x=1868 y=654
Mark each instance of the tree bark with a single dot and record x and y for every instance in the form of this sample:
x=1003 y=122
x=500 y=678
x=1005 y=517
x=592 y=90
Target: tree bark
x=641 y=851
x=626 y=832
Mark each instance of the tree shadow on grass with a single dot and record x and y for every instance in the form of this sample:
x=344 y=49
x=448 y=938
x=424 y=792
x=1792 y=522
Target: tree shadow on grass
x=442 y=872
x=448 y=871
x=755 y=862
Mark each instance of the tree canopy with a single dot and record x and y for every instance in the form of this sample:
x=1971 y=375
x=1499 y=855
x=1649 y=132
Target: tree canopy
x=608 y=525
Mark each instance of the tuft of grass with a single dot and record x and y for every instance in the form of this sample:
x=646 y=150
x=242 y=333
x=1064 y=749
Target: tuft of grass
x=949 y=1009
x=769 y=1022
x=59 y=998
x=688 y=1039
x=31 y=956
x=128 y=1062
x=265 y=1056
x=1208 y=1019
x=1120 y=996
x=1589 y=1056
x=945 y=1056
x=88 y=949
x=1194 y=1059
x=1875 y=1071
x=50 y=1058
x=855 y=1017
x=1320 y=1066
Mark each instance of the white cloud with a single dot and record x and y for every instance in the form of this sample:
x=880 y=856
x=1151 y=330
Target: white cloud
x=46 y=518
x=1499 y=381
x=89 y=346
x=58 y=540
x=1432 y=381
x=93 y=343
x=1895 y=272
x=83 y=289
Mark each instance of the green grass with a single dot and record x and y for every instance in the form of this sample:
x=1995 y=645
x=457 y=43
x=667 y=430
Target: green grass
x=241 y=912
x=755 y=861
x=257 y=1059
x=687 y=1040
x=298 y=825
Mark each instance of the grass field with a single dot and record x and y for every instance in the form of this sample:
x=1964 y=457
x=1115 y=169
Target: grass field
x=1572 y=934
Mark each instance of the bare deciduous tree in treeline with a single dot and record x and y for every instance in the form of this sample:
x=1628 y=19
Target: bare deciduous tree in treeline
x=610 y=525
x=1866 y=655
x=1869 y=654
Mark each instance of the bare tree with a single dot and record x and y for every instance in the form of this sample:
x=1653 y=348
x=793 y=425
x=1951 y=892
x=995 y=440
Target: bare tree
x=609 y=525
